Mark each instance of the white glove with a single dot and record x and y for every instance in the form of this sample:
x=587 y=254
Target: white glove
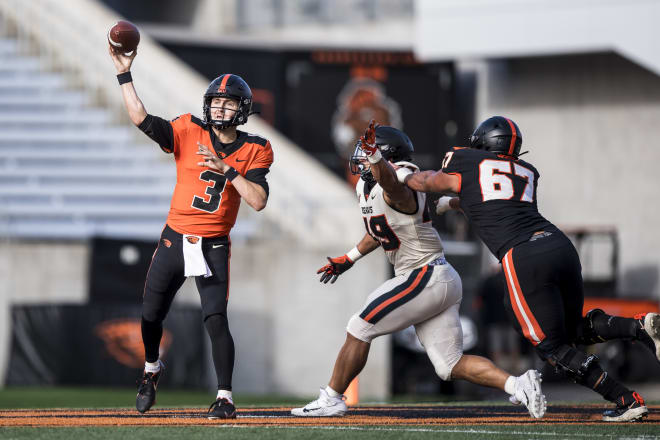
x=442 y=205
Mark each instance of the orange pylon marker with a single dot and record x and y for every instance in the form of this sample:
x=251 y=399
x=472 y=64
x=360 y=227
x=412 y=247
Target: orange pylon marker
x=353 y=392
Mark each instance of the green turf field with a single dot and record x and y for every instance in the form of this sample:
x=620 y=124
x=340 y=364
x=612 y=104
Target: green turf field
x=11 y=398
x=629 y=432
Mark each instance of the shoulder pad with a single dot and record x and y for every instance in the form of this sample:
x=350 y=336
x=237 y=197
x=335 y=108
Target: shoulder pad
x=410 y=165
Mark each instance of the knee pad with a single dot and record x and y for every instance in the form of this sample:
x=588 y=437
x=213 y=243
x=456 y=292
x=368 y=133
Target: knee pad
x=587 y=334
x=360 y=329
x=152 y=315
x=445 y=350
x=573 y=363
x=216 y=325
x=445 y=363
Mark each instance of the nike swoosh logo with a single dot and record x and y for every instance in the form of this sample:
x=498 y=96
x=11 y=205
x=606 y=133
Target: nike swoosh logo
x=239 y=160
x=215 y=246
x=311 y=409
x=373 y=197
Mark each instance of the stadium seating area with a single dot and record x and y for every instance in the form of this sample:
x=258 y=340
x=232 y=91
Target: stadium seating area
x=67 y=170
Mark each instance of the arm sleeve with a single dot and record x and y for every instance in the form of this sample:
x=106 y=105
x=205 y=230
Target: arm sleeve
x=258 y=176
x=160 y=131
x=260 y=166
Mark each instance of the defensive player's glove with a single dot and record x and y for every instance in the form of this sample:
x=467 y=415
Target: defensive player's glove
x=334 y=268
x=442 y=205
x=368 y=141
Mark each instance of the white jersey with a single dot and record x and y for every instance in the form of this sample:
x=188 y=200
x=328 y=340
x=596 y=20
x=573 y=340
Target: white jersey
x=409 y=240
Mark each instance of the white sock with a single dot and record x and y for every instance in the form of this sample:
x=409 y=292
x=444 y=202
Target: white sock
x=224 y=394
x=152 y=367
x=510 y=385
x=331 y=392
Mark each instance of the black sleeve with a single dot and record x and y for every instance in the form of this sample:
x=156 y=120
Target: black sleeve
x=160 y=131
x=258 y=176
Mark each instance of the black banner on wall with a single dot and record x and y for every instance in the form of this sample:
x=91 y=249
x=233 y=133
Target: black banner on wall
x=101 y=345
x=118 y=268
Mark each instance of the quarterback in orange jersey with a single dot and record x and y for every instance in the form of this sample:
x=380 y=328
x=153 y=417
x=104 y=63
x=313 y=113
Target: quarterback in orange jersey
x=216 y=165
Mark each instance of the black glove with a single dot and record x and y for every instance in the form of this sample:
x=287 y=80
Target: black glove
x=334 y=268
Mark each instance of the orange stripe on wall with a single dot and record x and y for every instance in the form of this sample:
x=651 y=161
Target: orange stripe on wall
x=400 y=295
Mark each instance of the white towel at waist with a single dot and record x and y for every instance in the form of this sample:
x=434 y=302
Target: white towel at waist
x=193 y=257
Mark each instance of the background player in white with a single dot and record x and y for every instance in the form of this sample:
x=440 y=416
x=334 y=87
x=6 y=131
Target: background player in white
x=426 y=291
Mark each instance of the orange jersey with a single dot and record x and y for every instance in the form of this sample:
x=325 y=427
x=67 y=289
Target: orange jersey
x=204 y=202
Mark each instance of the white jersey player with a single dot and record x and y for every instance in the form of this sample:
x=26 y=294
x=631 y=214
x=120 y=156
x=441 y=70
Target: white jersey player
x=425 y=291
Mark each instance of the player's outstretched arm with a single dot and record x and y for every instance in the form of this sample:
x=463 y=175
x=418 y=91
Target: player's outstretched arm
x=338 y=265
x=433 y=181
x=253 y=193
x=134 y=106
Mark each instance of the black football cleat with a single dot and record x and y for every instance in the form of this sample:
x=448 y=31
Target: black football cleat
x=627 y=412
x=649 y=332
x=146 y=396
x=221 y=409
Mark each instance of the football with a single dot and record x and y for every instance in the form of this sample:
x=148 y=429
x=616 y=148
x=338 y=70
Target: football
x=124 y=36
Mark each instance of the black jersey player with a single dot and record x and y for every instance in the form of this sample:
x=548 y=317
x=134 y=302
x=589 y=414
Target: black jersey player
x=497 y=193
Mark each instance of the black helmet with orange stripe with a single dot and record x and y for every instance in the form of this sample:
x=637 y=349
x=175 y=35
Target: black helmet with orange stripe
x=230 y=86
x=498 y=135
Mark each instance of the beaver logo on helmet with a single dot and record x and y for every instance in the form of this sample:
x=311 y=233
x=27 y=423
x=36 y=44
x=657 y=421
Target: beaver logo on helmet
x=498 y=135
x=230 y=86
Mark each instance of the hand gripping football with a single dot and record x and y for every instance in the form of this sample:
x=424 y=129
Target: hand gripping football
x=124 y=36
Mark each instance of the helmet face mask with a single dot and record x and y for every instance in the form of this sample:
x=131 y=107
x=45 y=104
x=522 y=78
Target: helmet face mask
x=228 y=86
x=498 y=135
x=358 y=163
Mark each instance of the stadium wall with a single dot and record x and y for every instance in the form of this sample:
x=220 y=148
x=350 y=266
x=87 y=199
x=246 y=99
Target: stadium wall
x=287 y=327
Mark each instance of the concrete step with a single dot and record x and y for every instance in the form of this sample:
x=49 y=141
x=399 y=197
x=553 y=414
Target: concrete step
x=45 y=119
x=29 y=84
x=155 y=211
x=77 y=193
x=80 y=146
x=116 y=134
x=141 y=156
x=17 y=65
x=8 y=46
x=101 y=178
x=55 y=98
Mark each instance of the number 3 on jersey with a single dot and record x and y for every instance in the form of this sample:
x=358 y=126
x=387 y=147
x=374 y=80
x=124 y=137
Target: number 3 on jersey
x=378 y=228
x=496 y=185
x=214 y=191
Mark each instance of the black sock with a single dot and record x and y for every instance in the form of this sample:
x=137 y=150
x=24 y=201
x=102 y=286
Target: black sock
x=151 y=334
x=222 y=349
x=614 y=327
x=599 y=381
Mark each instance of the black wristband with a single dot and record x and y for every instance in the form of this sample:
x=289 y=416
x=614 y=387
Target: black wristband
x=124 y=78
x=231 y=173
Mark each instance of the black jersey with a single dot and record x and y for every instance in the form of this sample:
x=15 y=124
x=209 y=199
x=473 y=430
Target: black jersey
x=498 y=196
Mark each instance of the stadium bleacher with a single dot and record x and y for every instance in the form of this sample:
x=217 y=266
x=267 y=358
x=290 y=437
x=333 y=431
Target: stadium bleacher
x=66 y=169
